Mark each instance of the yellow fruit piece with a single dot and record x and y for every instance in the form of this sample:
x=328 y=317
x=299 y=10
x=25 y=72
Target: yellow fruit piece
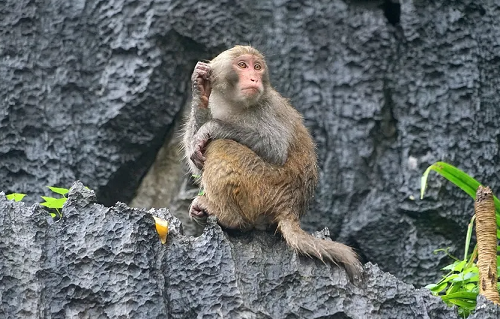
x=161 y=228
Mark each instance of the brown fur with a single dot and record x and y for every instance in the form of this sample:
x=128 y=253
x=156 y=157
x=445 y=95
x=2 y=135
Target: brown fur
x=245 y=190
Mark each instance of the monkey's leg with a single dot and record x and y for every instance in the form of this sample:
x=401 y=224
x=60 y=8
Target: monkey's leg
x=228 y=215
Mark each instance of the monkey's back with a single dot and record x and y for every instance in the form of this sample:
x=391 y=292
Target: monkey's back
x=240 y=182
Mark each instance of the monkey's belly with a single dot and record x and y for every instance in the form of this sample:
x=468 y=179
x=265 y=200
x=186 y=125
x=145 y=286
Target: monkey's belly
x=238 y=182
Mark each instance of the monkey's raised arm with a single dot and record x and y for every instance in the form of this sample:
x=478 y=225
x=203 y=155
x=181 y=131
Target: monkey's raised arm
x=202 y=88
x=200 y=113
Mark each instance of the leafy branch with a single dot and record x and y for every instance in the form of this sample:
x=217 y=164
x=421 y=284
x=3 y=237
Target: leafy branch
x=49 y=202
x=460 y=285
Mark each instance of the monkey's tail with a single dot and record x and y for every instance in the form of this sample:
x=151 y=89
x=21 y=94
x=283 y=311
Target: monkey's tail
x=332 y=251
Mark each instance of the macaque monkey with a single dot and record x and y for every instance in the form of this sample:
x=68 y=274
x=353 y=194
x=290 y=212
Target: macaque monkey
x=256 y=157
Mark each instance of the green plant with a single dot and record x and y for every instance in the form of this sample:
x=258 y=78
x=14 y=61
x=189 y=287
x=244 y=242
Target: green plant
x=49 y=202
x=55 y=203
x=465 y=182
x=460 y=285
x=17 y=197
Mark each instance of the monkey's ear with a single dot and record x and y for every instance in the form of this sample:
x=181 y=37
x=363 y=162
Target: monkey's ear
x=161 y=228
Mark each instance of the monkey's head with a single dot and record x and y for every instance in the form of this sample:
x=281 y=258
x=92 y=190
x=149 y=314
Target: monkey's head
x=240 y=75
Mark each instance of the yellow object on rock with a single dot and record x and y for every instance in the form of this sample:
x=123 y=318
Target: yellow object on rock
x=161 y=228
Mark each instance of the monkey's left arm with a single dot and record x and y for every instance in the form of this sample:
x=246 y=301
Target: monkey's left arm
x=270 y=151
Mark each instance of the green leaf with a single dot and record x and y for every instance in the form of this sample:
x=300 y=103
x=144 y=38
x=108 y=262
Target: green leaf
x=449 y=278
x=472 y=269
x=430 y=286
x=469 y=235
x=460 y=265
x=436 y=288
x=469 y=305
x=454 y=175
x=471 y=287
x=48 y=199
x=464 y=313
x=423 y=181
x=453 y=288
x=59 y=190
x=17 y=197
x=460 y=295
x=459 y=278
x=456 y=266
x=464 y=276
x=51 y=202
x=473 y=279
x=53 y=215
x=458 y=177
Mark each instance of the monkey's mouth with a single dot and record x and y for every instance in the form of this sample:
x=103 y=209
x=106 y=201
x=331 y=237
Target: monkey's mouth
x=251 y=90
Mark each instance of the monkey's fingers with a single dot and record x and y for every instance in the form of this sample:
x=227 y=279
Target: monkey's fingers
x=198 y=86
x=198 y=159
x=201 y=90
x=201 y=70
x=204 y=69
x=207 y=89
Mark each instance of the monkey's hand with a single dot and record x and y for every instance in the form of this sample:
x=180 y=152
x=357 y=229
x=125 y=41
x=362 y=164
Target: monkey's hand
x=201 y=84
x=200 y=145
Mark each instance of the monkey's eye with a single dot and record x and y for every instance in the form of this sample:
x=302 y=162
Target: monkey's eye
x=242 y=64
x=257 y=67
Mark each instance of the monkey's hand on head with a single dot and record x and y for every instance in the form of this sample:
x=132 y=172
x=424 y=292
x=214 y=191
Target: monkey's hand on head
x=202 y=87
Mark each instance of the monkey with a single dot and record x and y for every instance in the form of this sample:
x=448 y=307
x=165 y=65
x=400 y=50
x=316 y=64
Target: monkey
x=256 y=157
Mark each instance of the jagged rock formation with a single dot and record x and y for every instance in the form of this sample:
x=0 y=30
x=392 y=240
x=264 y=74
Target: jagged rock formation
x=91 y=90
x=108 y=262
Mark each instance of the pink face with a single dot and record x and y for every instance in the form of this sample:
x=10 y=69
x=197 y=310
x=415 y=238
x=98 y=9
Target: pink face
x=250 y=70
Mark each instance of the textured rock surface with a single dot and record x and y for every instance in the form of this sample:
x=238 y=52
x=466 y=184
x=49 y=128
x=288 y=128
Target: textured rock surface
x=90 y=90
x=485 y=310
x=100 y=262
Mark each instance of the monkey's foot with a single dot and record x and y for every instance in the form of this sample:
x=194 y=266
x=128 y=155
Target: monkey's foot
x=197 y=212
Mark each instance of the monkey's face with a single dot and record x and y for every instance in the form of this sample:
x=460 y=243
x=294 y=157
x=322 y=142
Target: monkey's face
x=250 y=71
x=239 y=76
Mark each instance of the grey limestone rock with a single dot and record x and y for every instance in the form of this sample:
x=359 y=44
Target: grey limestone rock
x=95 y=91
x=107 y=262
